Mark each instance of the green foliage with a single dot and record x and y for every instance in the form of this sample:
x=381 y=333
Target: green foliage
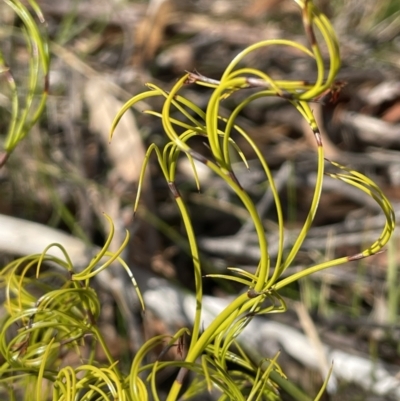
x=26 y=108
x=53 y=321
x=55 y=312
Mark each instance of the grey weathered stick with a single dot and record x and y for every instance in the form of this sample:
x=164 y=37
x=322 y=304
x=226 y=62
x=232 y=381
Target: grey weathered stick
x=371 y=129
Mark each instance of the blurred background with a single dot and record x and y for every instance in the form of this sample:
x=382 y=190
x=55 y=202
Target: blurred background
x=65 y=174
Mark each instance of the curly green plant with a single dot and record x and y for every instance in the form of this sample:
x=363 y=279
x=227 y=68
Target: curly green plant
x=27 y=101
x=210 y=350
x=52 y=313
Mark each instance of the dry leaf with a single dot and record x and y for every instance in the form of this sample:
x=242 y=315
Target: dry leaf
x=126 y=151
x=150 y=32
